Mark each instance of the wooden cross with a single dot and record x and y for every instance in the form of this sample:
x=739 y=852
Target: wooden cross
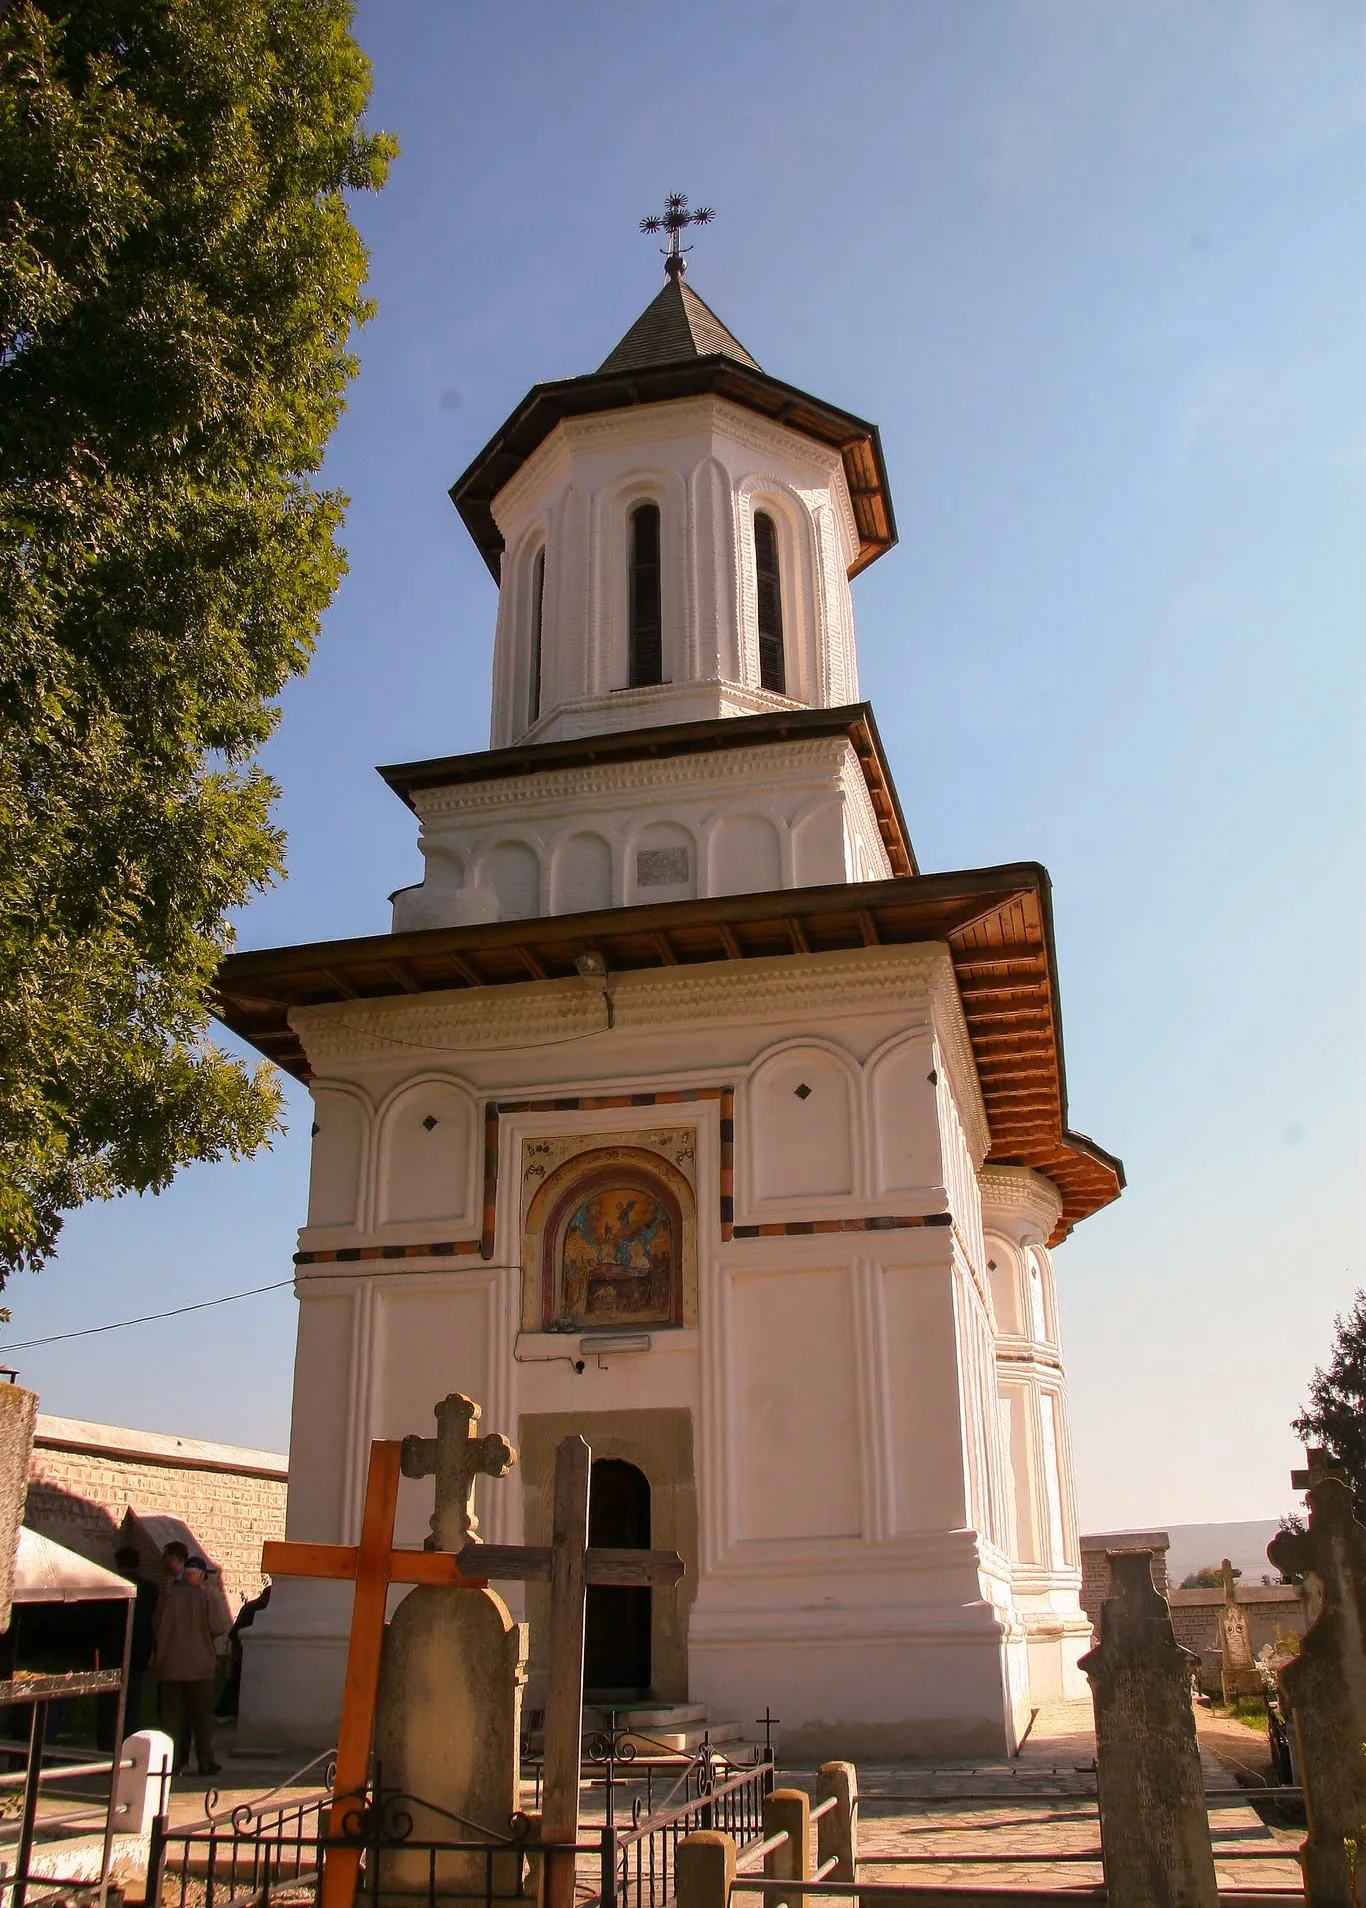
x=569 y=1566
x=372 y=1565
x=456 y=1457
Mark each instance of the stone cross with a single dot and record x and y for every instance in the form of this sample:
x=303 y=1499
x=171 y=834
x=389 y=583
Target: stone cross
x=1154 y=1826
x=456 y=1457
x=1325 y=1685
x=1237 y=1669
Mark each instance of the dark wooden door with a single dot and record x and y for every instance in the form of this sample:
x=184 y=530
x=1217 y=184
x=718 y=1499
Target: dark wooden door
x=616 y=1643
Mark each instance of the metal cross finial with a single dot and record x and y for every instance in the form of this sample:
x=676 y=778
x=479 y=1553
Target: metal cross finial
x=456 y=1456
x=675 y=220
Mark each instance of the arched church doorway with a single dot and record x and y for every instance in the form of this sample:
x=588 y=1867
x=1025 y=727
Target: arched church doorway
x=616 y=1643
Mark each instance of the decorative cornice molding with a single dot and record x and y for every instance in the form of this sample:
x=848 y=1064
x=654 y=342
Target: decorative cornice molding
x=713 y=769
x=1020 y=1202
x=539 y=1013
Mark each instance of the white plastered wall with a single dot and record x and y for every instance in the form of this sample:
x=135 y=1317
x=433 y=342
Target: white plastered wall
x=1020 y=1210
x=841 y=1383
x=784 y=815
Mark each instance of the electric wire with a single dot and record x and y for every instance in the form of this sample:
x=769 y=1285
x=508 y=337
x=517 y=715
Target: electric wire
x=122 y=1324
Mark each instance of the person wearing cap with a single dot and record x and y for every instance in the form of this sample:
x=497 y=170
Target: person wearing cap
x=184 y=1659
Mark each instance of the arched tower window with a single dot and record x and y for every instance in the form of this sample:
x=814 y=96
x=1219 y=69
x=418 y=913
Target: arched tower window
x=537 y=617
x=772 y=668
x=646 y=620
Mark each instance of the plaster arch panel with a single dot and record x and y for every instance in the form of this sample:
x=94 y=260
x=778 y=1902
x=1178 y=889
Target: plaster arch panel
x=581 y=875
x=341 y=1127
x=511 y=871
x=746 y=856
x=712 y=555
x=1003 y=1274
x=800 y=1127
x=1038 y=1321
x=566 y=638
x=427 y=1155
x=818 y=844
x=904 y=1109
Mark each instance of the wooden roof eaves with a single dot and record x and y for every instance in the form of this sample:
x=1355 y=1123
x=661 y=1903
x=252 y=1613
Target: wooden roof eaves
x=255 y=986
x=855 y=719
x=547 y=405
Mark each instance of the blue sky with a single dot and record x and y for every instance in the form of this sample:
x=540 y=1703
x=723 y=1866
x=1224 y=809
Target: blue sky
x=1096 y=271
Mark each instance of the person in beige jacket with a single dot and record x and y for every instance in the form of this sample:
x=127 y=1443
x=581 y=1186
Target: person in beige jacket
x=184 y=1659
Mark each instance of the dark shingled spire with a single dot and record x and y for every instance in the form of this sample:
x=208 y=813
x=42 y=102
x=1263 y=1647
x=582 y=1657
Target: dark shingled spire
x=676 y=329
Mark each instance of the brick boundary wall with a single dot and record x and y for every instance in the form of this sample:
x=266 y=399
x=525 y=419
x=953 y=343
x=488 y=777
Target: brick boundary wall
x=83 y=1477
x=1268 y=1608
x=1095 y=1571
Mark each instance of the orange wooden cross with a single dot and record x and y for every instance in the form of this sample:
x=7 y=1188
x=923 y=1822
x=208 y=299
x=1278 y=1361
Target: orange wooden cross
x=372 y=1564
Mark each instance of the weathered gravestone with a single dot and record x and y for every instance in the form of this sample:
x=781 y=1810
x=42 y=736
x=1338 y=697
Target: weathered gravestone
x=448 y=1723
x=18 y=1415
x=1237 y=1665
x=1154 y=1827
x=1325 y=1685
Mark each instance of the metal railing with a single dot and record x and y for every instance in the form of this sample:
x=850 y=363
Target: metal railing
x=639 y=1863
x=245 y=1853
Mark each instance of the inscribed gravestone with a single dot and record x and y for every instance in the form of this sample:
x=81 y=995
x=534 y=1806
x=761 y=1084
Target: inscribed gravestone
x=1325 y=1685
x=1154 y=1826
x=1237 y=1665
x=449 y=1718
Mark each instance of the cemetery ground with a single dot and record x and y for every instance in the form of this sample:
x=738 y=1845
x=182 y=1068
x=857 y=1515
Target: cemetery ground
x=1025 y=1814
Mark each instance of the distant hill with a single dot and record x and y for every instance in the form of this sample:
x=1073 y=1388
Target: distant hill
x=1243 y=1544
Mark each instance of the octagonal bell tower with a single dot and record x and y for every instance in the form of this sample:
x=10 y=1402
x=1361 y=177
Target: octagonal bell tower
x=673 y=537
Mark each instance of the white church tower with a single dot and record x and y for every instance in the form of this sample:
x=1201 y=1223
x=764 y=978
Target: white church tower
x=681 y=1109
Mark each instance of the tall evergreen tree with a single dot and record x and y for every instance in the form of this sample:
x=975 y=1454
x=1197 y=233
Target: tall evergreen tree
x=1335 y=1416
x=179 y=278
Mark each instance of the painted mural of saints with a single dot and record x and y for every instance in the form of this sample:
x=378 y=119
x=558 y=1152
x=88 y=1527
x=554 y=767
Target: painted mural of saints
x=618 y=1259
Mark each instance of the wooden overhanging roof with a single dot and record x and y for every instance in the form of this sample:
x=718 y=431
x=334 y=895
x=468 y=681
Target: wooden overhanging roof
x=717 y=733
x=547 y=405
x=997 y=922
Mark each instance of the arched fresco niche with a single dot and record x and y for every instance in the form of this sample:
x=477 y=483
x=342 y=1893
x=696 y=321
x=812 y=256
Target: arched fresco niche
x=610 y=1244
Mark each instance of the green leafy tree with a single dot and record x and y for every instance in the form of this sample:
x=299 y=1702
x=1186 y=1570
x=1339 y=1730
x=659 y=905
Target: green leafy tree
x=1335 y=1416
x=1207 y=1577
x=179 y=278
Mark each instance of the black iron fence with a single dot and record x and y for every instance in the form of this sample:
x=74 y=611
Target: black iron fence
x=265 y=1847
x=271 y=1850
